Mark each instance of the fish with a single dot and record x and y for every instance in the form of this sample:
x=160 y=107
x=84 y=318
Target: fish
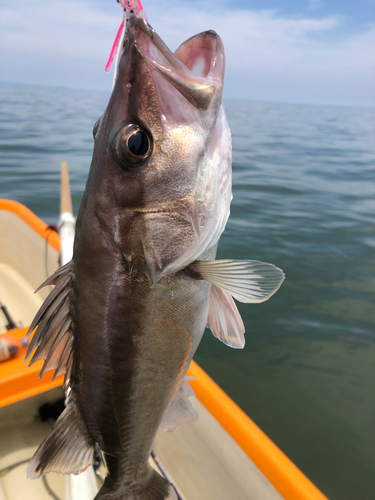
x=128 y=312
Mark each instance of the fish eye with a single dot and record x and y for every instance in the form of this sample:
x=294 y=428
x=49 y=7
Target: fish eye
x=95 y=129
x=138 y=143
x=131 y=146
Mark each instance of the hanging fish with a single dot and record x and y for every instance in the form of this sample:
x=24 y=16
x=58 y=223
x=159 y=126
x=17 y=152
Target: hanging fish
x=128 y=312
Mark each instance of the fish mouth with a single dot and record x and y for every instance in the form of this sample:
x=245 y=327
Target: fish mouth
x=145 y=251
x=195 y=70
x=191 y=215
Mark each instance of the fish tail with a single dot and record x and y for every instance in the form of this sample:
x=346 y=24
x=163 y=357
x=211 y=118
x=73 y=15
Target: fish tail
x=155 y=488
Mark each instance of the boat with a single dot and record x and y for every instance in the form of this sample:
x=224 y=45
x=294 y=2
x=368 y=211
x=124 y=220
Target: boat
x=222 y=456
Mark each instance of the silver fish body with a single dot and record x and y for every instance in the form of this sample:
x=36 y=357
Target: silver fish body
x=127 y=314
x=142 y=344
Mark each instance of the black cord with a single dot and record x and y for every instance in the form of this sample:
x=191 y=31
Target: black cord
x=11 y=324
x=55 y=497
x=98 y=459
x=13 y=466
x=49 y=490
x=21 y=462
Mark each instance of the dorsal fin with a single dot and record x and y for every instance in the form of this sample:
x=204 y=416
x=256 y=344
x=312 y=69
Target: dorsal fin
x=53 y=337
x=68 y=448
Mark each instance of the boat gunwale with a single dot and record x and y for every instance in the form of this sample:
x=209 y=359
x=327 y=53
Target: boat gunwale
x=32 y=220
x=282 y=473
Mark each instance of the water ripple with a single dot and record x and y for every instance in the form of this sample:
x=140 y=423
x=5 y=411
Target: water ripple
x=304 y=199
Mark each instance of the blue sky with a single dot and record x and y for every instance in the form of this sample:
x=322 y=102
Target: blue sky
x=312 y=51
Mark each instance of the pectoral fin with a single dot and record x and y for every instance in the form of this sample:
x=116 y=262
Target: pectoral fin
x=224 y=320
x=248 y=281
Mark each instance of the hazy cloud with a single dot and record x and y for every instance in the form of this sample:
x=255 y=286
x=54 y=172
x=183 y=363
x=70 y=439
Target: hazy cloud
x=269 y=55
x=315 y=4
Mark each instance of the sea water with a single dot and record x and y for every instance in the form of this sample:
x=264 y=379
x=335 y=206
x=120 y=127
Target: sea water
x=304 y=200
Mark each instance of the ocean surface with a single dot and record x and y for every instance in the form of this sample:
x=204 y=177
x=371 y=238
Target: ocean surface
x=304 y=200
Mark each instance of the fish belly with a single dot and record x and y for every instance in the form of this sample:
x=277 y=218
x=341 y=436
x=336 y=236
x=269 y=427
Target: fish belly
x=133 y=343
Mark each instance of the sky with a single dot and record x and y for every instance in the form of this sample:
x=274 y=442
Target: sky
x=306 y=51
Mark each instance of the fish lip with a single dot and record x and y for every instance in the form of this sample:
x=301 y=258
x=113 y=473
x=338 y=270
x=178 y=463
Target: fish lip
x=140 y=23
x=146 y=210
x=152 y=211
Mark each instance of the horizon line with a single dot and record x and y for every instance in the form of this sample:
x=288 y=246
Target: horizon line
x=225 y=98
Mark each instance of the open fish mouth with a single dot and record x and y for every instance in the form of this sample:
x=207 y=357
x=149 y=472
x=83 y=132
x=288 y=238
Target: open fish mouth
x=196 y=70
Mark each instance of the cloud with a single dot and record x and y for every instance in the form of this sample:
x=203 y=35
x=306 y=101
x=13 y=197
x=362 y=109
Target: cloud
x=57 y=27
x=315 y=4
x=270 y=56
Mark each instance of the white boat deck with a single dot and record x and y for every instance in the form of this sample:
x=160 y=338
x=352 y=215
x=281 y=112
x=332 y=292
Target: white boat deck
x=205 y=463
x=20 y=434
x=201 y=458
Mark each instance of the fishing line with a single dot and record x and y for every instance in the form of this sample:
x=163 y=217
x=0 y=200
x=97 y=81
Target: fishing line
x=165 y=474
x=129 y=7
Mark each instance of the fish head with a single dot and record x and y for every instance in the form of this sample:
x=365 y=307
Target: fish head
x=160 y=173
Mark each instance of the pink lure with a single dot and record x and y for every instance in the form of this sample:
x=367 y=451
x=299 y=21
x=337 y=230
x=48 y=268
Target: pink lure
x=131 y=5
